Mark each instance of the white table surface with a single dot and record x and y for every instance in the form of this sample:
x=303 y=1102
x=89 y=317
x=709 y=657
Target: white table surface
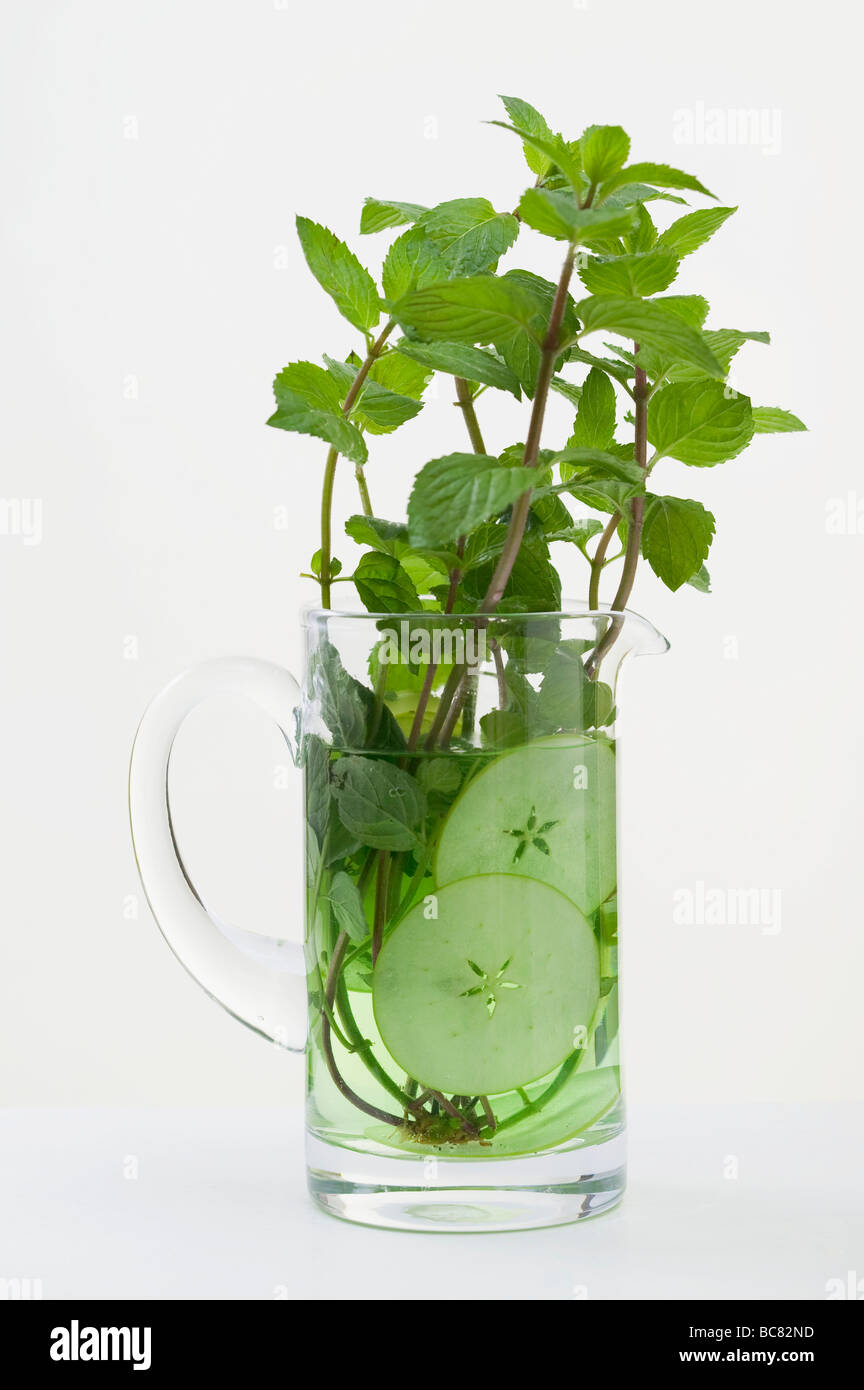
x=218 y=1210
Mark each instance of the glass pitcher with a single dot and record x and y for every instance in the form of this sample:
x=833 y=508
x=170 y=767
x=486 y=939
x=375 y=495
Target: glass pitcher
x=457 y=989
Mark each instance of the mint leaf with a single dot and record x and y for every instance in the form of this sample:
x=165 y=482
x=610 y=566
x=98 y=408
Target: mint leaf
x=344 y=898
x=621 y=371
x=451 y=495
x=424 y=568
x=315 y=565
x=636 y=194
x=380 y=213
x=469 y=234
x=521 y=350
x=459 y=359
x=378 y=410
x=604 y=150
x=693 y=229
x=724 y=343
x=534 y=585
x=412 y=262
x=567 y=699
x=311 y=383
x=644 y=235
x=316 y=766
x=607 y=495
x=701 y=580
x=381 y=411
x=654 y=323
x=768 y=419
x=383 y=585
x=343 y=710
x=659 y=175
x=339 y=272
x=543 y=293
x=635 y=275
x=550 y=514
x=522 y=356
x=596 y=464
x=595 y=418
x=558 y=214
x=527 y=117
x=569 y=389
x=479 y=309
x=440 y=779
x=698 y=423
x=341 y=844
x=579 y=533
x=349 y=709
x=691 y=309
x=676 y=538
x=514 y=455
x=504 y=728
x=401 y=374
x=561 y=155
x=294 y=414
x=374 y=531
x=531 y=647
x=379 y=803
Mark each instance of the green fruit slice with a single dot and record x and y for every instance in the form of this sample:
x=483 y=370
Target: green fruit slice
x=584 y=1099
x=545 y=811
x=489 y=994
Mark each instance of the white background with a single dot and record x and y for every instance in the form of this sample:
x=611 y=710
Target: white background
x=156 y=156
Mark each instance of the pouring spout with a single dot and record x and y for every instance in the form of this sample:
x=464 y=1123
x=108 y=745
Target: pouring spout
x=640 y=636
x=619 y=633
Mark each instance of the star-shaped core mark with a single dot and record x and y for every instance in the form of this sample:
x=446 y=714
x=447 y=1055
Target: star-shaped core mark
x=489 y=984
x=531 y=834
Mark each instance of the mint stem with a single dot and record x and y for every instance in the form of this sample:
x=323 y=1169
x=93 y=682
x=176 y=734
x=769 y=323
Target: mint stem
x=466 y=1125
x=363 y=489
x=465 y=401
x=327 y=1046
x=332 y=458
x=600 y=559
x=637 y=506
x=519 y=515
x=641 y=394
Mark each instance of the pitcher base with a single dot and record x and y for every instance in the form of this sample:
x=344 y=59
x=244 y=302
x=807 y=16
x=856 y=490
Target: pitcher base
x=453 y=1195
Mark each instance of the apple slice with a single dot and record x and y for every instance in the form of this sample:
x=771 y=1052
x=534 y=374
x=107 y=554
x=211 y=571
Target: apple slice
x=584 y=1099
x=486 y=986
x=544 y=811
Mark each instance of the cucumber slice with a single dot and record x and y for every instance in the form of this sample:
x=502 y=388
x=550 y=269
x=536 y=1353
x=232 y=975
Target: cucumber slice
x=544 y=811
x=584 y=1099
x=489 y=994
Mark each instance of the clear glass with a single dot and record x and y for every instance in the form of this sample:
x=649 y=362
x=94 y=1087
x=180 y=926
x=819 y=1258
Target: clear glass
x=457 y=993
x=462 y=917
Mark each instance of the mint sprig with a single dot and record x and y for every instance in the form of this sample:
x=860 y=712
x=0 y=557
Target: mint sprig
x=646 y=378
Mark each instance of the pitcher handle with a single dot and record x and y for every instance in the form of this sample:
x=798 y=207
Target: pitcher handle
x=260 y=981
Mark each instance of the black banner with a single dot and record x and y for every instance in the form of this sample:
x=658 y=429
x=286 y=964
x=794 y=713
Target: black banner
x=68 y=1338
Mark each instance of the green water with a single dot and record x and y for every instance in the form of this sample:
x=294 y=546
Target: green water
x=495 y=979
